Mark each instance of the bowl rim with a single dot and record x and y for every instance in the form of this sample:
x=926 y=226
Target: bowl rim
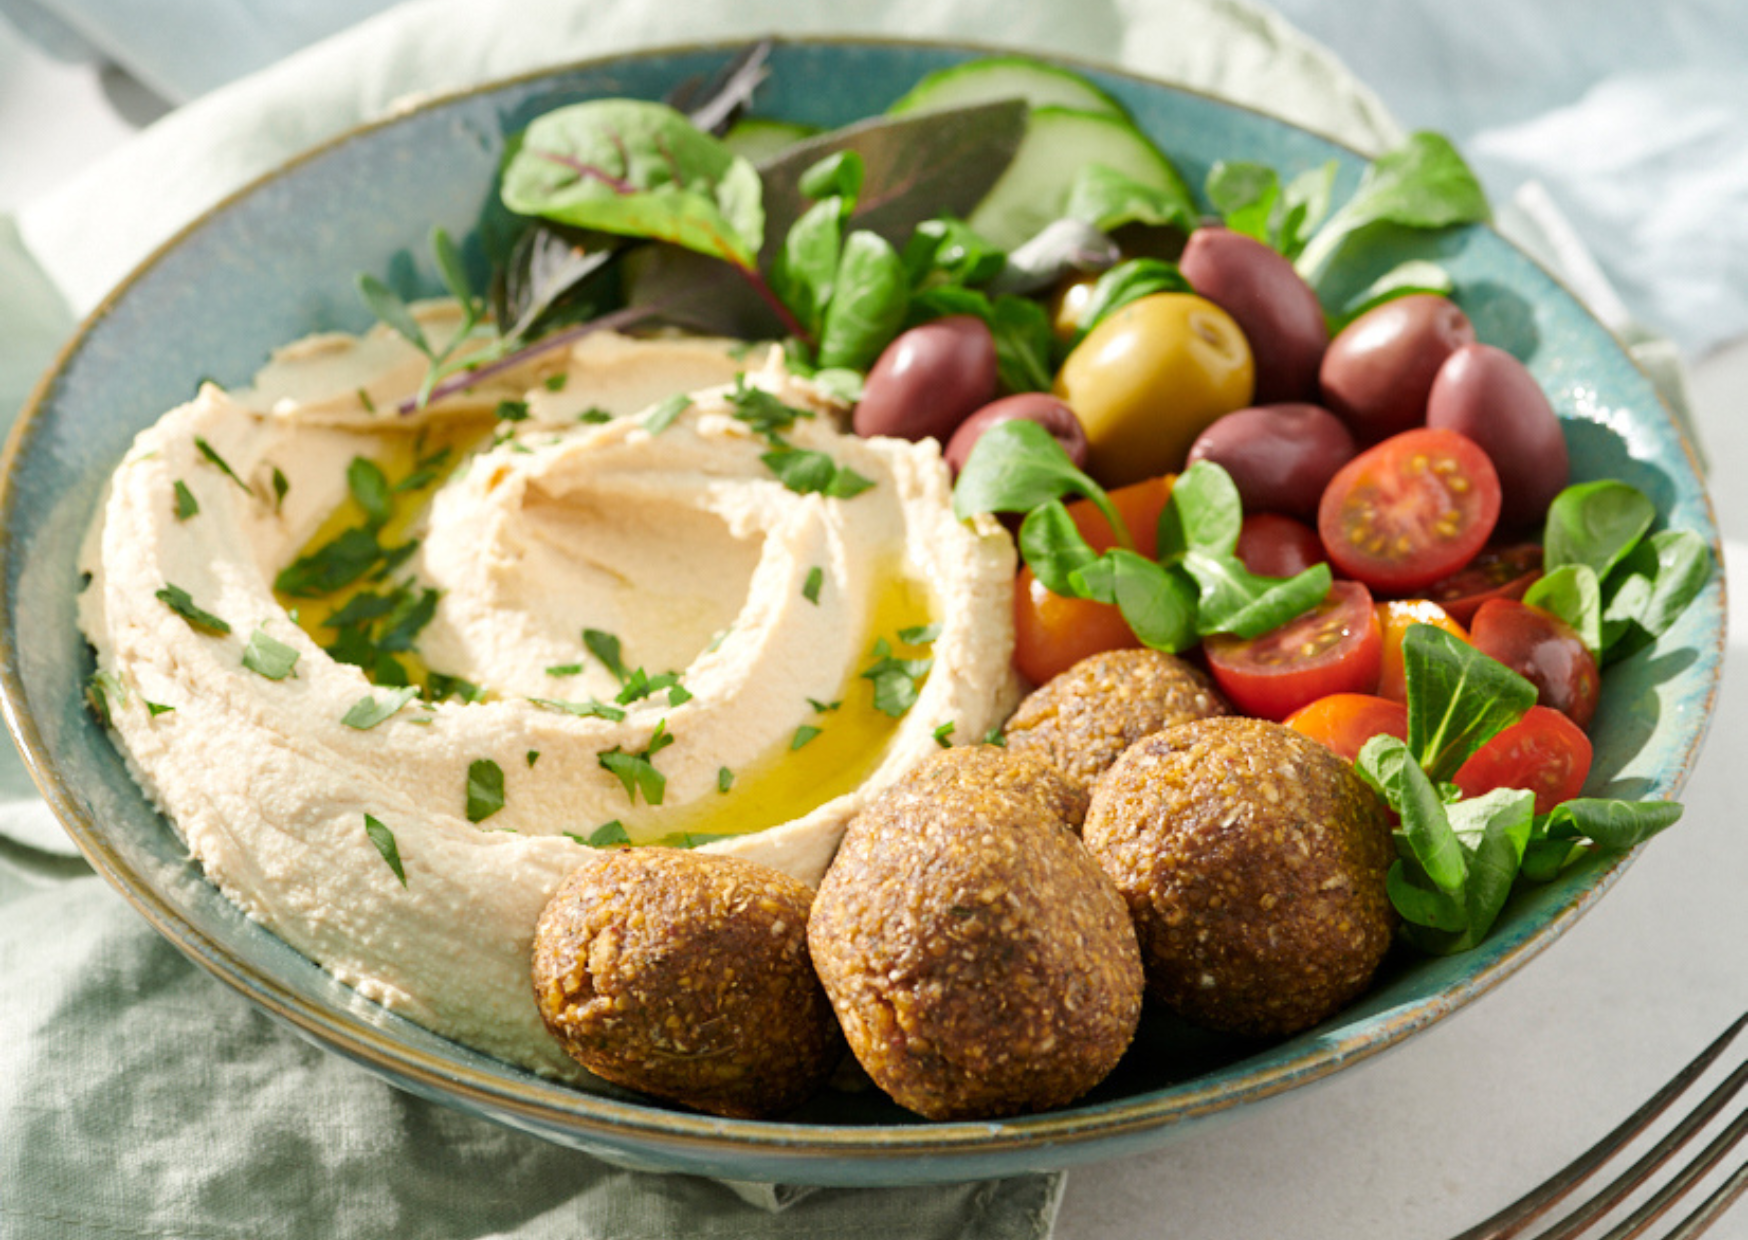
x=552 y=1109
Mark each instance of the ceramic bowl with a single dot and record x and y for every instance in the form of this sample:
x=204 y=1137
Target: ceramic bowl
x=278 y=260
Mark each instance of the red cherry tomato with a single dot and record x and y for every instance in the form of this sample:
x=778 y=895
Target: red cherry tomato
x=1394 y=620
x=1272 y=545
x=1333 y=648
x=1346 y=721
x=1495 y=572
x=1544 y=752
x=1542 y=647
x=1410 y=510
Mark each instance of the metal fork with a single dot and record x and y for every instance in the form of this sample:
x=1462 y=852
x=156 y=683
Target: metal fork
x=1512 y=1220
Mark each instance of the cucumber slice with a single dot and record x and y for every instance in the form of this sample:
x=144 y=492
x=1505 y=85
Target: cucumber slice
x=1006 y=77
x=1058 y=143
x=757 y=138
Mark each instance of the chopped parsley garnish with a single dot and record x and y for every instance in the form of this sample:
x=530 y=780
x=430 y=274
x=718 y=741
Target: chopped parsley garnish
x=662 y=416
x=367 y=711
x=533 y=756
x=807 y=472
x=724 y=779
x=599 y=710
x=512 y=411
x=485 y=789
x=100 y=688
x=384 y=839
x=335 y=564
x=762 y=411
x=158 y=708
x=267 y=656
x=440 y=686
x=179 y=601
x=944 y=734
x=995 y=737
x=555 y=383
x=565 y=669
x=810 y=587
x=605 y=647
x=426 y=470
x=186 y=505
x=895 y=680
x=824 y=708
x=364 y=399
x=803 y=734
x=211 y=454
x=636 y=771
x=697 y=839
x=369 y=487
x=639 y=684
x=595 y=416
x=281 y=485
x=919 y=635
x=606 y=835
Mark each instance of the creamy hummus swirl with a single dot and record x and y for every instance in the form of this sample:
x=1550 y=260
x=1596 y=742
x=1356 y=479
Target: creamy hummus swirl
x=600 y=508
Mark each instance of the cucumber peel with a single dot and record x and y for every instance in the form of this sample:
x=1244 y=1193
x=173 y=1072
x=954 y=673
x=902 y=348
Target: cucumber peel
x=1006 y=77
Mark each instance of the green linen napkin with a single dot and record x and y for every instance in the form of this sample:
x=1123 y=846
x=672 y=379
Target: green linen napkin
x=141 y=1098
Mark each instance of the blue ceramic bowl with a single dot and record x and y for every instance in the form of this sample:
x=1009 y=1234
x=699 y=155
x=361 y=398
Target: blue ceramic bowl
x=278 y=261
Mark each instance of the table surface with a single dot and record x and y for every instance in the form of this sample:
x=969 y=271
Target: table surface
x=1430 y=1137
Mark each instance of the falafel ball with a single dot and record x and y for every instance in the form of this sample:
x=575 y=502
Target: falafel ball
x=979 y=961
x=1083 y=719
x=1253 y=860
x=686 y=975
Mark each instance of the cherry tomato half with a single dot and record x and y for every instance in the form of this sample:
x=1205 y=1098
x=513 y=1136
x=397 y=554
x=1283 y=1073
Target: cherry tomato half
x=1346 y=721
x=1410 y=510
x=1052 y=633
x=1394 y=618
x=1333 y=648
x=1544 y=752
x=1495 y=572
x=1272 y=545
x=1542 y=647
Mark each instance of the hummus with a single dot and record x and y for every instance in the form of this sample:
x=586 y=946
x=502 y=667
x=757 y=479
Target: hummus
x=627 y=625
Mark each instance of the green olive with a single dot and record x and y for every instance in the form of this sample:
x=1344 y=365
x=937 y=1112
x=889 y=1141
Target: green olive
x=1150 y=378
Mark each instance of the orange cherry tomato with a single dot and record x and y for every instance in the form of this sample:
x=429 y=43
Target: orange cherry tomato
x=1394 y=617
x=1544 y=752
x=1346 y=721
x=1333 y=648
x=1410 y=510
x=1052 y=633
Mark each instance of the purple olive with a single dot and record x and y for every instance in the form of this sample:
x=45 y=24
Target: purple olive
x=1379 y=369
x=1040 y=407
x=1280 y=456
x=929 y=380
x=1488 y=395
x=1276 y=310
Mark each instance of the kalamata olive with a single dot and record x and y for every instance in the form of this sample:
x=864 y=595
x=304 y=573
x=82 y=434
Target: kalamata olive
x=1277 y=311
x=1040 y=407
x=1280 y=456
x=1377 y=372
x=1487 y=394
x=1149 y=378
x=929 y=380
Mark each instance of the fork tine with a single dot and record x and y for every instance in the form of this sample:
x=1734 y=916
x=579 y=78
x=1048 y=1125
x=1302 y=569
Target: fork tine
x=1666 y=1197
x=1514 y=1218
x=1713 y=1207
x=1619 y=1188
